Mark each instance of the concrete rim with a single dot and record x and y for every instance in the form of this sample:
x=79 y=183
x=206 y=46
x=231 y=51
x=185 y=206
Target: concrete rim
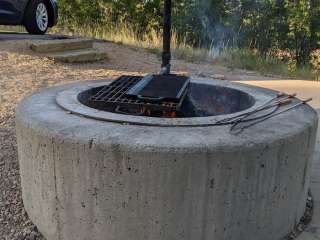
x=41 y=112
x=68 y=100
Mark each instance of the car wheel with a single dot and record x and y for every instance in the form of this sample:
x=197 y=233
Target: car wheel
x=36 y=19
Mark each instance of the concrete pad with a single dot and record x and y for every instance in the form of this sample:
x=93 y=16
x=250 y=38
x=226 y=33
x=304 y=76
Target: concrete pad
x=308 y=236
x=305 y=89
x=60 y=45
x=78 y=56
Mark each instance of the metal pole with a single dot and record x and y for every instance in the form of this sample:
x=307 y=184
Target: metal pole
x=166 y=55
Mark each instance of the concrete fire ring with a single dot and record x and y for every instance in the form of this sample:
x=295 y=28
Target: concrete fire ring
x=90 y=177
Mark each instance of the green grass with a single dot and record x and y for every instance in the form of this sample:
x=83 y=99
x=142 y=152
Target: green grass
x=250 y=60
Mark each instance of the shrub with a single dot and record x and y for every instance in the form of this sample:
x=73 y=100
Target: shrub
x=315 y=61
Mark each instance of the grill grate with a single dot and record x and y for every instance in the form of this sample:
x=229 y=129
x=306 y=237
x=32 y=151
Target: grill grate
x=160 y=87
x=114 y=96
x=167 y=86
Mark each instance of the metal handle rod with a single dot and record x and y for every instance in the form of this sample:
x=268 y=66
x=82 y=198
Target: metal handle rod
x=245 y=119
x=277 y=104
x=273 y=115
x=151 y=99
x=279 y=99
x=166 y=55
x=118 y=110
x=292 y=107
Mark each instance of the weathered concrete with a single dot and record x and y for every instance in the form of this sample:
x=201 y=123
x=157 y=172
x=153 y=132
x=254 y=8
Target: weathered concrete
x=69 y=50
x=313 y=230
x=305 y=89
x=76 y=56
x=90 y=179
x=49 y=46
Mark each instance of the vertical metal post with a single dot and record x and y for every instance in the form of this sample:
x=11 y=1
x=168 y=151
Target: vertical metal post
x=166 y=55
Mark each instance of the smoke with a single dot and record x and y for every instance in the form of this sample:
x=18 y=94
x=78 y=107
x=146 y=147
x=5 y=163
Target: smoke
x=220 y=35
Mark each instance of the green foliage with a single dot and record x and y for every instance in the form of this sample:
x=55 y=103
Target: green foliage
x=247 y=59
x=315 y=61
x=80 y=11
x=253 y=61
x=262 y=25
x=140 y=15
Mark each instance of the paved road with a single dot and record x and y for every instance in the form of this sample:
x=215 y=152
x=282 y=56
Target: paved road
x=6 y=36
x=305 y=89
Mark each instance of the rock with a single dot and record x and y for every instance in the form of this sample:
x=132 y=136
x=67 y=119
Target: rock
x=201 y=74
x=219 y=76
x=32 y=236
x=250 y=73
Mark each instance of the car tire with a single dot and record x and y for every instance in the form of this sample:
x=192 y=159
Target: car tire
x=36 y=19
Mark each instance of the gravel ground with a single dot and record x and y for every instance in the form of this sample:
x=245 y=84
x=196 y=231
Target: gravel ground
x=21 y=73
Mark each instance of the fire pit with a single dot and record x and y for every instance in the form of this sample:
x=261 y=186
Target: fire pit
x=94 y=174
x=205 y=102
x=154 y=157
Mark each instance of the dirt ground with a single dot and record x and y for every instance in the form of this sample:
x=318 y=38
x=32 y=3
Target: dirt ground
x=21 y=73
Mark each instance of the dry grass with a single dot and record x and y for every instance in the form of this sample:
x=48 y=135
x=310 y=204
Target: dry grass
x=232 y=58
x=315 y=61
x=152 y=41
x=12 y=28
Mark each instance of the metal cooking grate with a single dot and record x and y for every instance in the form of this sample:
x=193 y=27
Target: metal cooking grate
x=115 y=96
x=160 y=87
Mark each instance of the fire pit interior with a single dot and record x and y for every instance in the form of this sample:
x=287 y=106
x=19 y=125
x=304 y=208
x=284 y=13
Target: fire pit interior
x=200 y=100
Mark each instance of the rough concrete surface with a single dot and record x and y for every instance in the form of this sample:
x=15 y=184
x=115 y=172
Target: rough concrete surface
x=69 y=50
x=48 y=46
x=304 y=89
x=87 y=179
x=79 y=56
